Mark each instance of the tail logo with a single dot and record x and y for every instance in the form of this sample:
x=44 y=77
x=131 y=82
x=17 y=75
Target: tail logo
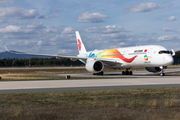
x=79 y=45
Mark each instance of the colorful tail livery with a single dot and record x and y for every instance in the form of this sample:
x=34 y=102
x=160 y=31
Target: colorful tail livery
x=152 y=57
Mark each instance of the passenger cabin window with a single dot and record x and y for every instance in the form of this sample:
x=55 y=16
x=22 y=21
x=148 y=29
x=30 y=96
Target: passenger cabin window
x=164 y=52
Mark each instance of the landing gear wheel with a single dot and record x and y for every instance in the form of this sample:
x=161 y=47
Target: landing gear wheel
x=100 y=73
x=127 y=72
x=130 y=73
x=162 y=74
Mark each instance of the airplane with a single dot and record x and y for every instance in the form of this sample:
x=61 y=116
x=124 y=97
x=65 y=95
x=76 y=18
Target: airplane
x=153 y=57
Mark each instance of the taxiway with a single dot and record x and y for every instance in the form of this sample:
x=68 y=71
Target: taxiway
x=140 y=79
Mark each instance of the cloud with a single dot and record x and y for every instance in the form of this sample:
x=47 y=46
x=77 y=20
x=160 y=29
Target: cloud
x=91 y=17
x=43 y=17
x=65 y=51
x=172 y=18
x=143 y=7
x=6 y=3
x=169 y=37
x=66 y=35
x=68 y=30
x=169 y=29
x=17 y=13
x=42 y=43
x=34 y=36
x=35 y=25
x=62 y=37
x=113 y=32
x=14 y=29
x=46 y=16
x=105 y=29
x=108 y=36
x=119 y=36
x=19 y=29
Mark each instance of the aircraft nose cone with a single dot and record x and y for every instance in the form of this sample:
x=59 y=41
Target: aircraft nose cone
x=169 y=60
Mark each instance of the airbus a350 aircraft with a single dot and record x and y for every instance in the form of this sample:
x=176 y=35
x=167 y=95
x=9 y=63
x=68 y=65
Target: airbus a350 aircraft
x=152 y=57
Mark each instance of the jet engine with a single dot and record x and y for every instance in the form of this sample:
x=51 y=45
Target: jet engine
x=153 y=69
x=94 y=66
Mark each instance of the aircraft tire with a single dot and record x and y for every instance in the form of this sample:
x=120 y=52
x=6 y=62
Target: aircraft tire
x=123 y=73
x=127 y=72
x=130 y=72
x=101 y=73
x=162 y=74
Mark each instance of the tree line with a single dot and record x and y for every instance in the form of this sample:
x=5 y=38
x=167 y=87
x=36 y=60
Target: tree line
x=39 y=62
x=177 y=58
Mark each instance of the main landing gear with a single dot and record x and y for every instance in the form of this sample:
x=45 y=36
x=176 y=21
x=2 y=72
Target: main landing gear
x=100 y=73
x=162 y=71
x=127 y=72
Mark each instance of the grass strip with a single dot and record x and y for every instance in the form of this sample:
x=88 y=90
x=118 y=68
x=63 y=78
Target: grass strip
x=136 y=104
x=39 y=74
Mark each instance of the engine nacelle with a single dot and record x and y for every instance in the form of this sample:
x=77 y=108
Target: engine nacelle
x=94 y=66
x=153 y=69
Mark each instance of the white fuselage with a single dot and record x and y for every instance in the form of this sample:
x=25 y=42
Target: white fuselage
x=144 y=56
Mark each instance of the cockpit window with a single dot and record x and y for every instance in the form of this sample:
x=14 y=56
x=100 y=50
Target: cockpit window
x=164 y=52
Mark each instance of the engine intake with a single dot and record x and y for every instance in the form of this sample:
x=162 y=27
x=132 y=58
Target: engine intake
x=94 y=66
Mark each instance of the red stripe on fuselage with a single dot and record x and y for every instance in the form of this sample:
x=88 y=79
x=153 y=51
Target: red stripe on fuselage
x=128 y=60
x=117 y=54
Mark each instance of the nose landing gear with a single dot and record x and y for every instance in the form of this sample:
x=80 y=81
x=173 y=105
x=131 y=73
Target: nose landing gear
x=162 y=74
x=162 y=71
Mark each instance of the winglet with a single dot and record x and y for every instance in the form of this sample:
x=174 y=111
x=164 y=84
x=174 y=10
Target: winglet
x=11 y=51
x=7 y=49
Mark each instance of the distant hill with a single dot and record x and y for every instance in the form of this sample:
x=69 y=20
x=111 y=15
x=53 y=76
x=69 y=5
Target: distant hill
x=7 y=55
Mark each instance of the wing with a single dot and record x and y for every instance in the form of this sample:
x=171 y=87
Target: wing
x=48 y=55
x=108 y=62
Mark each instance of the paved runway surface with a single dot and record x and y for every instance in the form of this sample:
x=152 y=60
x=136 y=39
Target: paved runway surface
x=140 y=79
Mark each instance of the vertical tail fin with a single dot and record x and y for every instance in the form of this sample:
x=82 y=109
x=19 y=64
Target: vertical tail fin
x=81 y=48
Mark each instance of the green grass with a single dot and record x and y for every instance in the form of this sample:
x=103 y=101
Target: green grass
x=39 y=77
x=39 y=74
x=136 y=104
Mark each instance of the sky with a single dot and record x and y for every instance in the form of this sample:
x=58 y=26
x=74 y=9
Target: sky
x=48 y=26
